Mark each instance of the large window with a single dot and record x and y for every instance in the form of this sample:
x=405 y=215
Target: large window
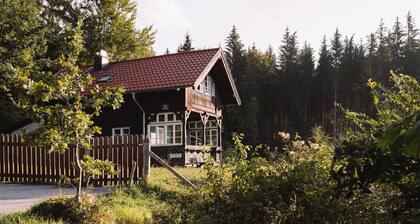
x=196 y=133
x=207 y=86
x=121 y=131
x=165 y=129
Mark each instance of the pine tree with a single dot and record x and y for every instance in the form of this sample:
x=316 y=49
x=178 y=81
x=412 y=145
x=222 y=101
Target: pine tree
x=288 y=68
x=325 y=80
x=370 y=65
x=336 y=56
x=187 y=45
x=383 y=54
x=288 y=53
x=235 y=56
x=304 y=85
x=234 y=49
x=396 y=45
x=411 y=50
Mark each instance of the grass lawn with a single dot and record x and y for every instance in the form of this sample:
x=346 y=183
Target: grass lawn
x=164 y=180
x=151 y=204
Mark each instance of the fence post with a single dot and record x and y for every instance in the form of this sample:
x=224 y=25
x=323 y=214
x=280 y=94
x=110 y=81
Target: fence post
x=146 y=160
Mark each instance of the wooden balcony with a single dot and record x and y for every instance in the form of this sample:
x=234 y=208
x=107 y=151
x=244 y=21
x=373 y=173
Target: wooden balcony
x=201 y=102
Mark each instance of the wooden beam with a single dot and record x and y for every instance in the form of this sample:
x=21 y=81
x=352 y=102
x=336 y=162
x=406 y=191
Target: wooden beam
x=173 y=171
x=146 y=160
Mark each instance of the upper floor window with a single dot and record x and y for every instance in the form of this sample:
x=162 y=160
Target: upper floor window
x=207 y=86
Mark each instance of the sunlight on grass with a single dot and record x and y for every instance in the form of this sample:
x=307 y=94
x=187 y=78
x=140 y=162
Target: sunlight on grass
x=25 y=218
x=163 y=179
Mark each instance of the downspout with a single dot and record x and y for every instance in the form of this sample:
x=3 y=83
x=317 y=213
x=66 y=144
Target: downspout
x=144 y=114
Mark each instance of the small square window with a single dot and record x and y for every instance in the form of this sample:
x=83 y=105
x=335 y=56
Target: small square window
x=126 y=131
x=120 y=131
x=171 y=117
x=161 y=118
x=192 y=125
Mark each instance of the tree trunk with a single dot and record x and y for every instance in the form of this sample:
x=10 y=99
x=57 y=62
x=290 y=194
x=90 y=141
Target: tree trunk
x=79 y=185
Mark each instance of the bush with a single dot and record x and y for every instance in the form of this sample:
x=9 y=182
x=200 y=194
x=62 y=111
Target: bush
x=293 y=186
x=71 y=211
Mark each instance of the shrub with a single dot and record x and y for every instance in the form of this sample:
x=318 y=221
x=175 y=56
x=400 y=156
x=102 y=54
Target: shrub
x=288 y=187
x=71 y=211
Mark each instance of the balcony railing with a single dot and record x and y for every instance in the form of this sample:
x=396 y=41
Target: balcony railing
x=201 y=101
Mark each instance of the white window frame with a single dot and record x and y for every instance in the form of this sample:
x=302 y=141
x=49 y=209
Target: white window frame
x=212 y=133
x=207 y=86
x=121 y=129
x=165 y=124
x=211 y=128
x=196 y=132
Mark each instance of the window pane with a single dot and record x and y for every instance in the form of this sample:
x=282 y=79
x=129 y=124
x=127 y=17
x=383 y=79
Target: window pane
x=171 y=117
x=178 y=140
x=170 y=134
x=208 y=137
x=153 y=135
x=117 y=131
x=126 y=131
x=161 y=117
x=193 y=137
x=192 y=124
x=160 y=135
x=178 y=133
x=214 y=137
x=199 y=124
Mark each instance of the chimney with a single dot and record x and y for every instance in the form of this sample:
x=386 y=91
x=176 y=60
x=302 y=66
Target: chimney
x=100 y=60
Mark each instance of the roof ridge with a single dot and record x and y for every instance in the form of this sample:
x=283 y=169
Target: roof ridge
x=165 y=55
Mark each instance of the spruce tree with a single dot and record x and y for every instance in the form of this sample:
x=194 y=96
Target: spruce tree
x=383 y=54
x=187 y=45
x=396 y=45
x=288 y=53
x=411 y=50
x=371 y=58
x=288 y=66
x=336 y=56
x=325 y=83
x=306 y=71
x=235 y=57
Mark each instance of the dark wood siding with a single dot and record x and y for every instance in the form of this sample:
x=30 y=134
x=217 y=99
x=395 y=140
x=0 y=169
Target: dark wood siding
x=153 y=102
x=129 y=115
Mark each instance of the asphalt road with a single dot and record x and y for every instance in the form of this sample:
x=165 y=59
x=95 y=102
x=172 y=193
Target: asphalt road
x=20 y=197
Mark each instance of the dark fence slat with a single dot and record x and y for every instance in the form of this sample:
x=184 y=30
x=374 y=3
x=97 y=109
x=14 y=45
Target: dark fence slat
x=22 y=163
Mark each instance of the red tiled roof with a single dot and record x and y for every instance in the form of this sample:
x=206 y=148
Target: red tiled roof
x=159 y=72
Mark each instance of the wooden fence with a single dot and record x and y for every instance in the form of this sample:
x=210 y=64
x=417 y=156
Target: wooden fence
x=21 y=163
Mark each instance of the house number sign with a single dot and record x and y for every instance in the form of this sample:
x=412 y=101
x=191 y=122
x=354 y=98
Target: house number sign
x=165 y=106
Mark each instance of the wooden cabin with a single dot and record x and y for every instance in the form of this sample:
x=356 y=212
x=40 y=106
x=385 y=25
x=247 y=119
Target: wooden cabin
x=176 y=100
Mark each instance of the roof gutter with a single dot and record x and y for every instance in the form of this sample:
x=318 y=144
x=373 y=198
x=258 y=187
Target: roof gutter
x=144 y=114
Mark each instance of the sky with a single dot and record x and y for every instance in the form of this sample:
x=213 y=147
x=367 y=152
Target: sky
x=263 y=22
